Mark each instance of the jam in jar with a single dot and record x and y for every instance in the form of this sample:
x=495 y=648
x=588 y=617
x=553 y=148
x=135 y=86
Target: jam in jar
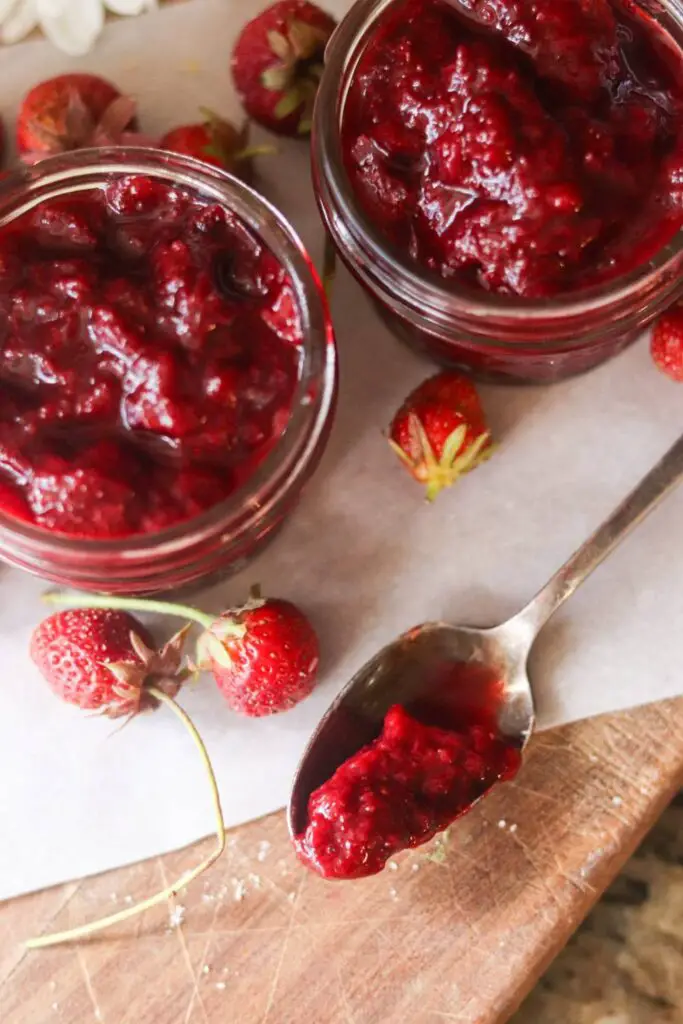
x=161 y=333
x=505 y=176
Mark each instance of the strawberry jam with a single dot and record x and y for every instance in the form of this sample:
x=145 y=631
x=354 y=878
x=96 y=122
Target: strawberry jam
x=527 y=148
x=399 y=791
x=149 y=354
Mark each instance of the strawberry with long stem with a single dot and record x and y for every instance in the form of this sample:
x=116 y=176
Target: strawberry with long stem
x=100 y=659
x=264 y=655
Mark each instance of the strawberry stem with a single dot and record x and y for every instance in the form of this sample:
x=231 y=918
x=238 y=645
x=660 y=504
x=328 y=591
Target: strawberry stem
x=73 y=934
x=249 y=152
x=130 y=604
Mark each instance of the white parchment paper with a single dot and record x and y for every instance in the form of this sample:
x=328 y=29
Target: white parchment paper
x=363 y=553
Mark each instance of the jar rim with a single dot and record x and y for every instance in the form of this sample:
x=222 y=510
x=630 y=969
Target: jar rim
x=313 y=400
x=418 y=285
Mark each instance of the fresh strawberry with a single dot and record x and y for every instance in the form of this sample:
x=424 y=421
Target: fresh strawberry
x=263 y=656
x=71 y=112
x=216 y=142
x=440 y=431
x=667 y=343
x=102 y=660
x=277 y=64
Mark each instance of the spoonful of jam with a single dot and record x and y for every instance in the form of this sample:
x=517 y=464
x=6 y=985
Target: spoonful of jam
x=436 y=719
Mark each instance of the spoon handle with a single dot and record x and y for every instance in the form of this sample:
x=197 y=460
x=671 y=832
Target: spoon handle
x=652 y=489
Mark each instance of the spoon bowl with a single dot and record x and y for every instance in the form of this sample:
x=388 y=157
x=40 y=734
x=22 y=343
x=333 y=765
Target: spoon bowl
x=438 y=671
x=454 y=675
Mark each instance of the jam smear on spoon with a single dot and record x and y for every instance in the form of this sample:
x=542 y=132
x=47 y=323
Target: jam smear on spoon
x=428 y=766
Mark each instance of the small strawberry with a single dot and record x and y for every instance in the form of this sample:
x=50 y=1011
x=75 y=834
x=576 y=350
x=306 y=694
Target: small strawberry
x=277 y=64
x=102 y=660
x=440 y=431
x=74 y=111
x=263 y=656
x=216 y=142
x=667 y=343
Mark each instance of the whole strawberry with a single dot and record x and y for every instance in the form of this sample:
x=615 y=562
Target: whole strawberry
x=263 y=656
x=99 y=659
x=667 y=343
x=216 y=142
x=440 y=431
x=277 y=64
x=73 y=111
x=102 y=660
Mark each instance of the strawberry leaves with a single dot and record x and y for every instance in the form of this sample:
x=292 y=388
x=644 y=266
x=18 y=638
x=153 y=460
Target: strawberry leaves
x=298 y=70
x=78 y=129
x=440 y=432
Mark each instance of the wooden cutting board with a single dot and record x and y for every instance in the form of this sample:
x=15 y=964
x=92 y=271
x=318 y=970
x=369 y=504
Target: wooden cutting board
x=459 y=931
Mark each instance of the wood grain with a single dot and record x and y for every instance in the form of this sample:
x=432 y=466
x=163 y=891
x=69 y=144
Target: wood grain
x=457 y=932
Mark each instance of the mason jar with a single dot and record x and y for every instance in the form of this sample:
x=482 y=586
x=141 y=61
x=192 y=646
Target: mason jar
x=493 y=336
x=220 y=538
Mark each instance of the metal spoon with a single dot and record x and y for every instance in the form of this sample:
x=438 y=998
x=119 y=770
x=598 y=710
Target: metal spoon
x=409 y=669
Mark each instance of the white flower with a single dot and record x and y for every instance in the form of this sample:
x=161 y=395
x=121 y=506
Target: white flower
x=72 y=25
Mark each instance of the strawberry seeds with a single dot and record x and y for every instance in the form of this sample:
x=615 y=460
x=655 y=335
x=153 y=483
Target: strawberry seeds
x=95 y=655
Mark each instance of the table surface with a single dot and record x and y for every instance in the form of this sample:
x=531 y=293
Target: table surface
x=459 y=931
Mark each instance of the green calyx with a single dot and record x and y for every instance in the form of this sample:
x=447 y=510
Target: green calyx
x=211 y=647
x=456 y=459
x=213 y=644
x=297 y=72
x=229 y=145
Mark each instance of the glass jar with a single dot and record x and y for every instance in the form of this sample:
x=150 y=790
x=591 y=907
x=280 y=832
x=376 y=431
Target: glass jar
x=494 y=337
x=222 y=538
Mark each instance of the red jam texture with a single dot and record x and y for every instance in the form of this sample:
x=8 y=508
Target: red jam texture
x=149 y=352
x=525 y=147
x=398 y=792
